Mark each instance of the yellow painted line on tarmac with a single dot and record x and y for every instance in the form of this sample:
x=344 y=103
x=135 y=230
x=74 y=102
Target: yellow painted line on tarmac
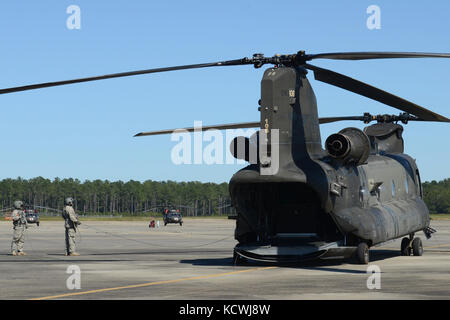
x=428 y=247
x=148 y=284
x=439 y=246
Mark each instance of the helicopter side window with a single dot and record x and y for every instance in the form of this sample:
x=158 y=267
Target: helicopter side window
x=362 y=195
x=406 y=185
x=393 y=189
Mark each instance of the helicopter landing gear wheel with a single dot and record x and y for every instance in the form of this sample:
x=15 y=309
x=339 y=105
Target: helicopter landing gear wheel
x=362 y=253
x=405 y=248
x=417 y=247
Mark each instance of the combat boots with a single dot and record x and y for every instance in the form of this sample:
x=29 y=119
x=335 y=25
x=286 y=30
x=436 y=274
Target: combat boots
x=21 y=253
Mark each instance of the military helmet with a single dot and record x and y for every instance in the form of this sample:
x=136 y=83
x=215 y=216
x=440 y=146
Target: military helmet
x=69 y=201
x=18 y=204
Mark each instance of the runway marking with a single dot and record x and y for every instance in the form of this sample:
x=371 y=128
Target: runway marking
x=152 y=283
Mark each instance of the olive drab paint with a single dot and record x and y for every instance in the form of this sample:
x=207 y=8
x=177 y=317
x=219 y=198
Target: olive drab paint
x=346 y=200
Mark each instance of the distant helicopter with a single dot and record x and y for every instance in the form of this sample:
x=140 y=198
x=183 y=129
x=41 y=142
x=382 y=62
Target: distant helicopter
x=298 y=201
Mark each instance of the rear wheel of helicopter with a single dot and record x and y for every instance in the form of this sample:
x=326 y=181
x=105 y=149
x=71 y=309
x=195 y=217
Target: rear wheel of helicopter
x=405 y=248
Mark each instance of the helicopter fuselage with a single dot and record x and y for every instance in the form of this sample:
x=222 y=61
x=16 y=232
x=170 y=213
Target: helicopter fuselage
x=298 y=198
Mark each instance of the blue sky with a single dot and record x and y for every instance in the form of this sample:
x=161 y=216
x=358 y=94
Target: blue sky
x=85 y=131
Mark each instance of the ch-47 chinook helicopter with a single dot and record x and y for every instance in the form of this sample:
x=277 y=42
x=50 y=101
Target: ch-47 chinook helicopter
x=296 y=200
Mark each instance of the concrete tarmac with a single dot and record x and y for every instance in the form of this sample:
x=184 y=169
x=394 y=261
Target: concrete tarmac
x=127 y=260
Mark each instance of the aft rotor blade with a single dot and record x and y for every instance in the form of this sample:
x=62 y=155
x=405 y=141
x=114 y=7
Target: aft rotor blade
x=335 y=119
x=243 y=125
x=375 y=55
x=202 y=128
x=122 y=74
x=364 y=89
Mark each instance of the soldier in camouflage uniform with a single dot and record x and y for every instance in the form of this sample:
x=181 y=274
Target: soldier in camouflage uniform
x=20 y=225
x=71 y=224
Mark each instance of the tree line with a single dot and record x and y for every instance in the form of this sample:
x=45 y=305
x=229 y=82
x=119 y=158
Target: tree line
x=135 y=197
x=104 y=197
x=437 y=196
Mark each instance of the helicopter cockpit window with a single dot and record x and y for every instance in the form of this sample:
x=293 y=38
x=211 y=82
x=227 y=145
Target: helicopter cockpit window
x=419 y=182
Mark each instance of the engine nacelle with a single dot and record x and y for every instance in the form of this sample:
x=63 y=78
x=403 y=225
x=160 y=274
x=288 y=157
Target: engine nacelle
x=350 y=145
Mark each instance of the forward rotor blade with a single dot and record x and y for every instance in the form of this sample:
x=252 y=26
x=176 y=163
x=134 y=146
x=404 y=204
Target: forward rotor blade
x=203 y=128
x=122 y=74
x=364 y=89
x=375 y=55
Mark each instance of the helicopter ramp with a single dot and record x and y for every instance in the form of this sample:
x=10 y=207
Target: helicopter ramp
x=295 y=253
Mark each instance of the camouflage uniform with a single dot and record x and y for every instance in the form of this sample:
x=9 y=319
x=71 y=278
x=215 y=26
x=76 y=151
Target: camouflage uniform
x=71 y=223
x=20 y=225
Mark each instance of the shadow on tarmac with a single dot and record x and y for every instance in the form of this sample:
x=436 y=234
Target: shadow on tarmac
x=316 y=264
